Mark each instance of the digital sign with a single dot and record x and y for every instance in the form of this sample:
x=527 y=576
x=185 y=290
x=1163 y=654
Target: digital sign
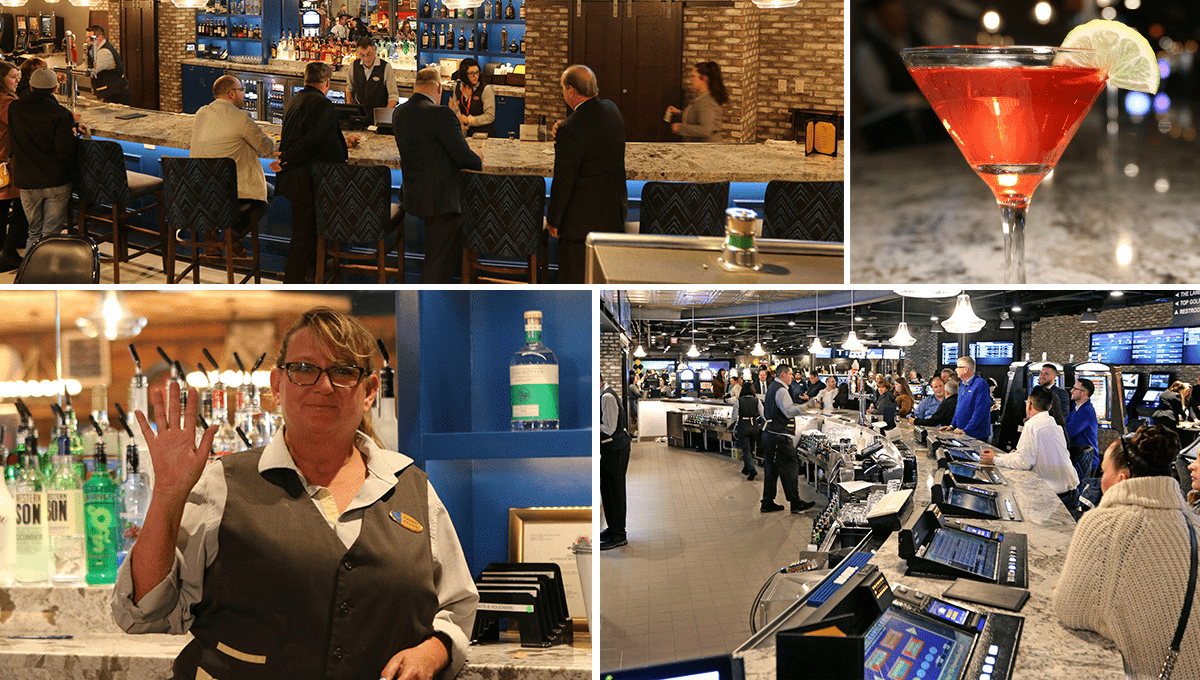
x=1112 y=348
x=949 y=353
x=1191 y=345
x=1158 y=346
x=991 y=353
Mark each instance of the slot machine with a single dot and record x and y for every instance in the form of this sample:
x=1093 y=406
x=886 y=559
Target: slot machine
x=933 y=544
x=1109 y=396
x=22 y=33
x=1156 y=384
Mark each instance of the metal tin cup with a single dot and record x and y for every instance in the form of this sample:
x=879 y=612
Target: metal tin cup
x=739 y=252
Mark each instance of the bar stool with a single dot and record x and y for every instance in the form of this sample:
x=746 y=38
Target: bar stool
x=105 y=188
x=807 y=211
x=202 y=199
x=61 y=259
x=355 y=208
x=684 y=208
x=502 y=220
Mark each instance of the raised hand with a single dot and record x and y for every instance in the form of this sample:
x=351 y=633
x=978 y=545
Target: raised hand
x=178 y=461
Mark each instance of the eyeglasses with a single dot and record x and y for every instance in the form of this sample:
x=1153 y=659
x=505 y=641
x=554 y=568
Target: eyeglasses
x=305 y=375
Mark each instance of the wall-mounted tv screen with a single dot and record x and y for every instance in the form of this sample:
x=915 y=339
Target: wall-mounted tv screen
x=1112 y=348
x=949 y=353
x=1160 y=381
x=991 y=353
x=1158 y=346
x=1191 y=345
x=893 y=354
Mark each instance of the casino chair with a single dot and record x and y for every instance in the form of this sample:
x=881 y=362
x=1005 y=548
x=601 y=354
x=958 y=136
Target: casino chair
x=104 y=189
x=355 y=209
x=806 y=211
x=61 y=259
x=502 y=218
x=202 y=202
x=684 y=208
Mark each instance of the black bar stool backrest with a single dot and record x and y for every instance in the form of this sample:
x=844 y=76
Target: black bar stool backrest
x=201 y=193
x=61 y=259
x=354 y=202
x=684 y=208
x=808 y=211
x=100 y=177
x=503 y=214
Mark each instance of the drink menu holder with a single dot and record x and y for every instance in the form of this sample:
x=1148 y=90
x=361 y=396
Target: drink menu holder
x=530 y=594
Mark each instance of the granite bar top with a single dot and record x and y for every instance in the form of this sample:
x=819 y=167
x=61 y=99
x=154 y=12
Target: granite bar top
x=1118 y=208
x=1047 y=650
x=674 y=161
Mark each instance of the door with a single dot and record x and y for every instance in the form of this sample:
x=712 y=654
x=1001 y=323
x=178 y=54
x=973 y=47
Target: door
x=637 y=60
x=139 y=50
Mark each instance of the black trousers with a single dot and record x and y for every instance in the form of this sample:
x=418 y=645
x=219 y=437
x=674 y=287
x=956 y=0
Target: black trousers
x=443 y=248
x=614 y=462
x=784 y=466
x=302 y=251
x=572 y=260
x=748 y=439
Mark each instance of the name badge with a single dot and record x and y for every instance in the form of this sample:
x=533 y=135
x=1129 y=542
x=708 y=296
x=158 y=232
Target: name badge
x=375 y=78
x=406 y=521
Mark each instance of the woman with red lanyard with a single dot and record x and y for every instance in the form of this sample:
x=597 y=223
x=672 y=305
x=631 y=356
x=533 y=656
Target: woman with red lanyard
x=472 y=101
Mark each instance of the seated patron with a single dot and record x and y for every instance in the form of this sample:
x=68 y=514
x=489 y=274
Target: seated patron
x=943 y=413
x=1042 y=448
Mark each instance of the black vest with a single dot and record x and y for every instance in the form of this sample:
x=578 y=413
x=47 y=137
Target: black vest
x=112 y=82
x=777 y=421
x=653 y=386
x=475 y=108
x=370 y=93
x=747 y=411
x=284 y=598
x=620 y=436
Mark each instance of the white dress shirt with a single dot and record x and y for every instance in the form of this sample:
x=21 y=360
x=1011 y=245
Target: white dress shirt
x=222 y=130
x=1043 y=447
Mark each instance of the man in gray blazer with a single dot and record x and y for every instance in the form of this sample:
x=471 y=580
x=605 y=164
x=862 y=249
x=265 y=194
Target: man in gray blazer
x=432 y=151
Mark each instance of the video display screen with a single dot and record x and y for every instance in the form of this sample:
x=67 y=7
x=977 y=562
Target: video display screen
x=969 y=501
x=1160 y=381
x=1158 y=346
x=963 y=454
x=1034 y=380
x=969 y=473
x=949 y=353
x=899 y=644
x=1112 y=348
x=963 y=551
x=893 y=354
x=1129 y=380
x=1151 y=397
x=1191 y=345
x=991 y=353
x=1100 y=400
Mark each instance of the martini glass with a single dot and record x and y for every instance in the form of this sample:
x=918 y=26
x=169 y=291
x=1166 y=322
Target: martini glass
x=1011 y=111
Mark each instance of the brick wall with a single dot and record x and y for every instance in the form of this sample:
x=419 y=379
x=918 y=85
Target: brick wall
x=730 y=37
x=176 y=28
x=546 y=23
x=612 y=350
x=802 y=43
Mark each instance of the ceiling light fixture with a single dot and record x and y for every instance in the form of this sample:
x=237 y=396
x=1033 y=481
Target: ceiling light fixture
x=852 y=343
x=693 y=352
x=111 y=318
x=1089 y=317
x=964 y=319
x=758 y=350
x=816 y=347
x=1006 y=323
x=902 y=338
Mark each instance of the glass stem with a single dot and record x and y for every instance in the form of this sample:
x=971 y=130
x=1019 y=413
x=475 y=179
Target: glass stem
x=1012 y=218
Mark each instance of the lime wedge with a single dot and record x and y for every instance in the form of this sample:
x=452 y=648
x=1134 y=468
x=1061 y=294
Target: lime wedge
x=1133 y=64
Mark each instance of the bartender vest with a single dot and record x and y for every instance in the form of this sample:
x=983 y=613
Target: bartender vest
x=777 y=421
x=747 y=413
x=111 y=82
x=653 y=386
x=284 y=598
x=474 y=108
x=370 y=93
x=620 y=439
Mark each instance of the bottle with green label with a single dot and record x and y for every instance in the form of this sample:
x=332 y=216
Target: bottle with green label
x=64 y=518
x=33 y=545
x=533 y=380
x=102 y=517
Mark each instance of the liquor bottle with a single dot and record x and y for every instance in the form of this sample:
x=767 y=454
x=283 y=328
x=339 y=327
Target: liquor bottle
x=246 y=416
x=509 y=13
x=496 y=9
x=425 y=10
x=487 y=10
x=102 y=516
x=514 y=48
x=33 y=545
x=135 y=499
x=386 y=426
x=226 y=440
x=425 y=38
x=8 y=537
x=139 y=397
x=442 y=38
x=445 y=11
x=64 y=517
x=470 y=12
x=471 y=42
x=503 y=38
x=462 y=41
x=533 y=380
x=483 y=40
x=274 y=52
x=111 y=437
x=78 y=452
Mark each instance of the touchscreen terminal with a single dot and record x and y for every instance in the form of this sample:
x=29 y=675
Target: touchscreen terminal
x=969 y=501
x=972 y=473
x=963 y=454
x=900 y=644
x=963 y=551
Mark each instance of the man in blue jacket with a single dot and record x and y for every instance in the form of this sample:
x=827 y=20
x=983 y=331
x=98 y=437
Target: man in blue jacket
x=1083 y=427
x=973 y=414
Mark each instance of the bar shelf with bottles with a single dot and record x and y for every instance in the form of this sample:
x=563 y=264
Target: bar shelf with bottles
x=241 y=30
x=491 y=32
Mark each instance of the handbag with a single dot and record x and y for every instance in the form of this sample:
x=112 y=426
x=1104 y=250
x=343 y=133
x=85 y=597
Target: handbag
x=5 y=175
x=1173 y=651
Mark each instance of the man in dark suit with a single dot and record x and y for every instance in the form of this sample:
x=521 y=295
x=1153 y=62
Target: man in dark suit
x=310 y=135
x=432 y=151
x=588 y=192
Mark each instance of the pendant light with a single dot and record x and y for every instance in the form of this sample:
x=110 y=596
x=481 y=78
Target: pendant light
x=693 y=352
x=1006 y=322
x=902 y=338
x=1089 y=317
x=758 y=350
x=775 y=4
x=963 y=320
x=816 y=347
x=111 y=318
x=927 y=292
x=852 y=344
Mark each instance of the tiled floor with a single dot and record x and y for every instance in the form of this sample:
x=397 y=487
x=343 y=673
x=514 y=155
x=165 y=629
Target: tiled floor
x=148 y=270
x=699 y=551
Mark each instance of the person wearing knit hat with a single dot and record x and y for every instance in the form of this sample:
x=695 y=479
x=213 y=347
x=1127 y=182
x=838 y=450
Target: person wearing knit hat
x=1126 y=572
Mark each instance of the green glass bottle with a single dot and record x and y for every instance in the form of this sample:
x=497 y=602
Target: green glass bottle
x=102 y=516
x=78 y=453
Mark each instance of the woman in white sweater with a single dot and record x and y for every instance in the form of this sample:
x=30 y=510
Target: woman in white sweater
x=1127 y=568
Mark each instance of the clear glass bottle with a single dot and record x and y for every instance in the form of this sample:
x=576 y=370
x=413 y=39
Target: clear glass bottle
x=64 y=518
x=8 y=537
x=139 y=400
x=102 y=518
x=135 y=499
x=12 y=458
x=533 y=380
x=112 y=438
x=78 y=452
x=226 y=441
x=386 y=425
x=33 y=544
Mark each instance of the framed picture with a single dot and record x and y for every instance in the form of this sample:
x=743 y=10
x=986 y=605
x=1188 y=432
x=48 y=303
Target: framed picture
x=546 y=535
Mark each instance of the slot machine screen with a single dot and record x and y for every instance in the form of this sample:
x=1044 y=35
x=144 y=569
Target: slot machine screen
x=1151 y=397
x=899 y=644
x=1160 y=381
x=969 y=472
x=963 y=551
x=21 y=25
x=47 y=27
x=969 y=501
x=1099 y=398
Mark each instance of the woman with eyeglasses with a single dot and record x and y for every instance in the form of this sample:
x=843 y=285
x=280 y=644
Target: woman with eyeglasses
x=321 y=554
x=1127 y=570
x=472 y=100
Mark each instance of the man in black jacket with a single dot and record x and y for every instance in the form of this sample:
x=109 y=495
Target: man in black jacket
x=310 y=135
x=944 y=414
x=43 y=154
x=432 y=151
x=588 y=192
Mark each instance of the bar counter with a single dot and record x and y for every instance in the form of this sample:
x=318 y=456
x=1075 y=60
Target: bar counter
x=100 y=650
x=1047 y=650
x=673 y=161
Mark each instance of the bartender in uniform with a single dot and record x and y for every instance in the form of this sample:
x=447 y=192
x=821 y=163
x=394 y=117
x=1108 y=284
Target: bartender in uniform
x=472 y=101
x=106 y=69
x=780 y=459
x=615 y=444
x=322 y=555
x=372 y=83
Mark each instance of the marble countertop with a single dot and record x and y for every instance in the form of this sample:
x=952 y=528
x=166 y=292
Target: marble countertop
x=1118 y=208
x=1047 y=650
x=643 y=160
